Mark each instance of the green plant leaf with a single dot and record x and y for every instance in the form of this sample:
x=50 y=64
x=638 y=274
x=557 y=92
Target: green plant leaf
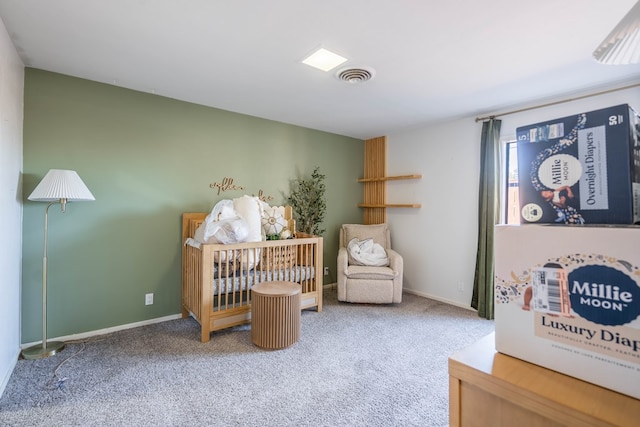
x=308 y=202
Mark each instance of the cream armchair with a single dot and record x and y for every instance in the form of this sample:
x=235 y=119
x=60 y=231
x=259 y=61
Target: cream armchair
x=363 y=283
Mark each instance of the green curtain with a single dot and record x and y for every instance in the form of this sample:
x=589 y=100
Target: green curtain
x=482 y=299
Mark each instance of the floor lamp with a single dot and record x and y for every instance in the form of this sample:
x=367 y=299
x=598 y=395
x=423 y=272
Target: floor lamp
x=57 y=186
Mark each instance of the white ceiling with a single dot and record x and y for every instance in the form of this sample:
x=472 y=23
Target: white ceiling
x=434 y=60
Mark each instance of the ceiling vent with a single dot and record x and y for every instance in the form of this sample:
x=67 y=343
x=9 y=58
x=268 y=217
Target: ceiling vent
x=355 y=75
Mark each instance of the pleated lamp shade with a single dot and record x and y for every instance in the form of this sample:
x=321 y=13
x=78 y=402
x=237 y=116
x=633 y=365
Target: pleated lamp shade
x=622 y=45
x=61 y=184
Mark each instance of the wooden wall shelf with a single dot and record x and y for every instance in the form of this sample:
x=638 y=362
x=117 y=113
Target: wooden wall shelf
x=375 y=182
x=390 y=178
x=390 y=205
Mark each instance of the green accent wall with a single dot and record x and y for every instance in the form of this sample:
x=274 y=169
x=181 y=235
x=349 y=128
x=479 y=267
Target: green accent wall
x=147 y=159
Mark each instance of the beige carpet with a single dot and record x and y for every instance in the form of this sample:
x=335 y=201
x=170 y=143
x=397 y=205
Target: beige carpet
x=355 y=365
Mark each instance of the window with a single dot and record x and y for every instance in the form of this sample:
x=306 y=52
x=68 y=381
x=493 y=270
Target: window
x=511 y=207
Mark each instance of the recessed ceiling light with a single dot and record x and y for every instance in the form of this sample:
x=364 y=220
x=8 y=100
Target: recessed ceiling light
x=324 y=59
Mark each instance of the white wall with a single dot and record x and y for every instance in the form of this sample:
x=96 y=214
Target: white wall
x=11 y=102
x=439 y=240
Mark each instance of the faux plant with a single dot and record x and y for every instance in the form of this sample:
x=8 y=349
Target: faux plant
x=308 y=202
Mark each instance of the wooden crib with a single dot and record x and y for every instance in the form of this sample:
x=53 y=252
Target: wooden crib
x=217 y=278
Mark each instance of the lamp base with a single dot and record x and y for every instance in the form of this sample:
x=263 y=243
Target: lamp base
x=40 y=352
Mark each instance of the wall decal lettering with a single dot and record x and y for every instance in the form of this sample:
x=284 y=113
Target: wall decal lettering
x=264 y=197
x=226 y=185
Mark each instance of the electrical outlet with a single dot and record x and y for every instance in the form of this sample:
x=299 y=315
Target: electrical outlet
x=460 y=286
x=326 y=271
x=148 y=299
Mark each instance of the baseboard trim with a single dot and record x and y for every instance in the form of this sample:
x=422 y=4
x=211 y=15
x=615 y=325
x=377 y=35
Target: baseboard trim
x=9 y=372
x=89 y=334
x=444 y=300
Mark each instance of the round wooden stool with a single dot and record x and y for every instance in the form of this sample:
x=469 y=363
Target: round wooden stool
x=275 y=314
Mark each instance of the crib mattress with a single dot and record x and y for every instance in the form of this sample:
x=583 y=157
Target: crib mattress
x=297 y=274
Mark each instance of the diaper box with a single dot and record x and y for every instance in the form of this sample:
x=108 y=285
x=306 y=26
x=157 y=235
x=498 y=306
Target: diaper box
x=581 y=169
x=568 y=298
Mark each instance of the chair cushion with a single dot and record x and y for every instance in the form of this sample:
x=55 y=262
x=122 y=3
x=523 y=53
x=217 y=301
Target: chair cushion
x=377 y=232
x=367 y=272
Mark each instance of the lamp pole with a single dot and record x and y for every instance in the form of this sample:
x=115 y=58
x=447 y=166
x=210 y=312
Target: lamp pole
x=53 y=347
